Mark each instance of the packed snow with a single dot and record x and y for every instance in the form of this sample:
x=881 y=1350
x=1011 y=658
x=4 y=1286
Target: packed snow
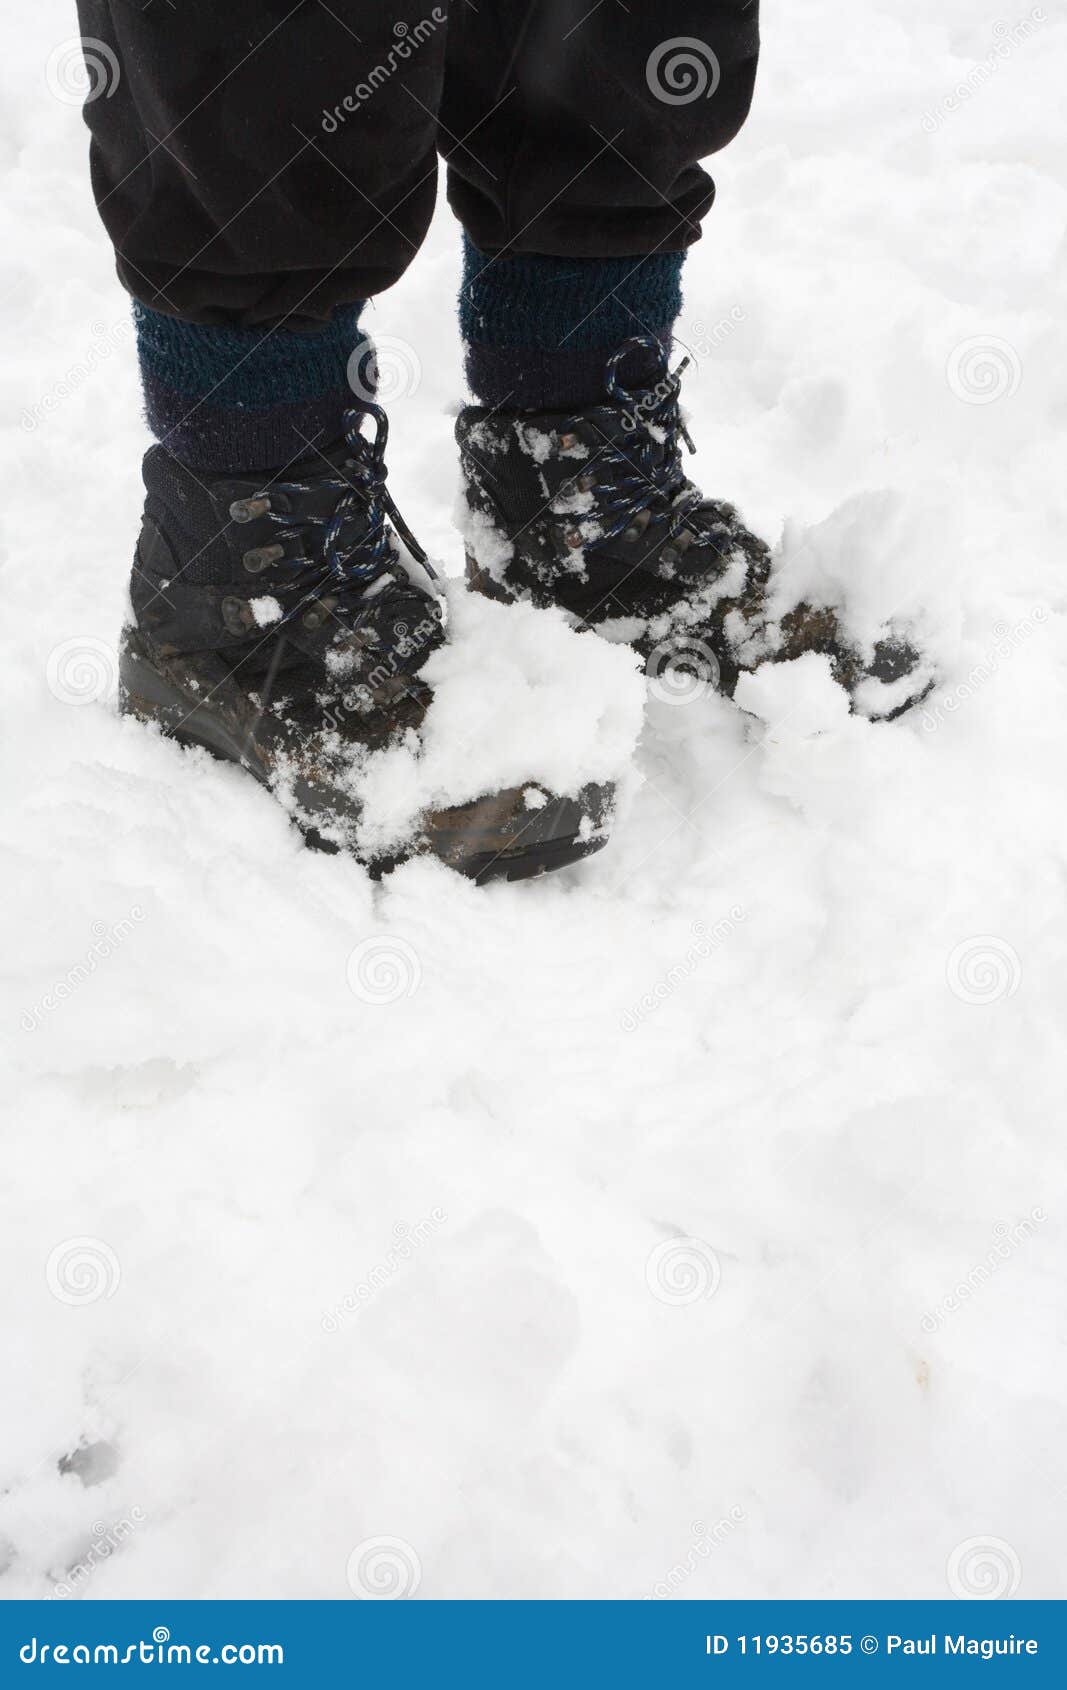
x=518 y=696
x=687 y=1224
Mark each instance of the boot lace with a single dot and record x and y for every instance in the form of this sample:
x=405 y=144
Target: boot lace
x=358 y=551
x=644 y=473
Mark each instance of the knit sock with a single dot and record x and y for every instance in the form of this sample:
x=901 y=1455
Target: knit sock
x=539 y=330
x=232 y=399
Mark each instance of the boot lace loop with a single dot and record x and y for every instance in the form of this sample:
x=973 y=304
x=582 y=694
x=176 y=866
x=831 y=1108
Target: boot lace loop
x=644 y=472
x=358 y=548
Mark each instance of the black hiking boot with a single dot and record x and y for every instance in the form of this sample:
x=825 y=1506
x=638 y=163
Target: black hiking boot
x=592 y=511
x=277 y=623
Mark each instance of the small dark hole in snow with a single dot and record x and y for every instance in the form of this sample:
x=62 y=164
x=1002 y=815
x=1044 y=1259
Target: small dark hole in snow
x=91 y=1463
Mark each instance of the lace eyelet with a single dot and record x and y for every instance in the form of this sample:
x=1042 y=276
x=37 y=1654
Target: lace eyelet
x=237 y=615
x=261 y=557
x=246 y=510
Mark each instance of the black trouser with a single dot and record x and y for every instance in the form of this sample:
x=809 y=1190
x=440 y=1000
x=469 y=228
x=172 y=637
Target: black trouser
x=265 y=160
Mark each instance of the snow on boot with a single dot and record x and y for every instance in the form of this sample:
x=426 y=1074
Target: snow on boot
x=277 y=623
x=592 y=511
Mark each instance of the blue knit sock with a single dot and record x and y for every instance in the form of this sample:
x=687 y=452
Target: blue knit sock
x=237 y=398
x=539 y=330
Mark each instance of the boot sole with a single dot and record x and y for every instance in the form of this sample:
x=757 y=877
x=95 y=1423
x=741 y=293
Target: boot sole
x=480 y=581
x=494 y=838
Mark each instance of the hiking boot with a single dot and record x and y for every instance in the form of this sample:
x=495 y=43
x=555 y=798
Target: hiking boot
x=278 y=624
x=592 y=511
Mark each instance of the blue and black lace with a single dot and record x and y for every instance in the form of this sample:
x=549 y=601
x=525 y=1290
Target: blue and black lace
x=633 y=480
x=351 y=562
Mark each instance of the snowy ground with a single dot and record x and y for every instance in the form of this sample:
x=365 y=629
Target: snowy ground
x=689 y=1223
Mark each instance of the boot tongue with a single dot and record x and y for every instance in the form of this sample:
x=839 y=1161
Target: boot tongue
x=324 y=458
x=334 y=453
